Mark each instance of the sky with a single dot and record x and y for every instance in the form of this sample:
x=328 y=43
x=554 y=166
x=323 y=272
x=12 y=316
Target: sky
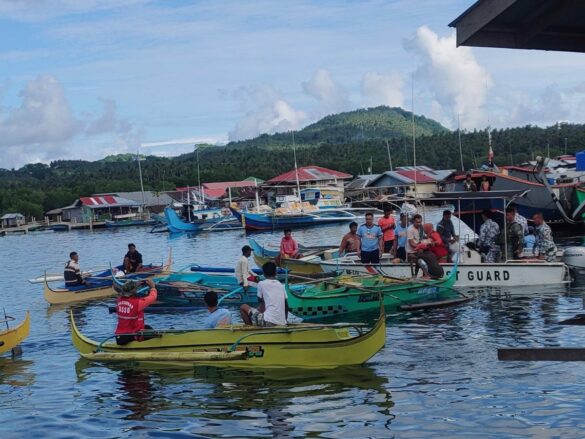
x=85 y=79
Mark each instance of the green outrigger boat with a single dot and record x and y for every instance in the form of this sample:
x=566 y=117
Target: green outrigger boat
x=347 y=294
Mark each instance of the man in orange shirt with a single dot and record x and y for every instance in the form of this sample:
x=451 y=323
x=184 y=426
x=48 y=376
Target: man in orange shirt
x=387 y=224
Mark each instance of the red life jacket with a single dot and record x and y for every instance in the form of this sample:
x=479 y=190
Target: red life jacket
x=130 y=316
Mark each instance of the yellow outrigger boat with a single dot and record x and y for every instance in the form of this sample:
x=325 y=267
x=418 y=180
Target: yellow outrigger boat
x=306 y=346
x=12 y=337
x=103 y=285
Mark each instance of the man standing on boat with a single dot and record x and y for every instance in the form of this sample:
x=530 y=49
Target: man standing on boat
x=130 y=310
x=520 y=220
x=414 y=236
x=371 y=241
x=447 y=231
x=351 y=241
x=72 y=272
x=544 y=242
x=512 y=243
x=469 y=185
x=399 y=250
x=246 y=278
x=273 y=309
x=387 y=224
x=488 y=236
x=132 y=260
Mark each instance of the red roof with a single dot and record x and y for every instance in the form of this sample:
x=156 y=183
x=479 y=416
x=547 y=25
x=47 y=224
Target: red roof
x=309 y=173
x=418 y=176
x=107 y=201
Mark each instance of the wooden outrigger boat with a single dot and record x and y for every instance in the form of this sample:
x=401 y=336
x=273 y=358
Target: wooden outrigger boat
x=12 y=337
x=348 y=294
x=101 y=285
x=304 y=345
x=308 y=264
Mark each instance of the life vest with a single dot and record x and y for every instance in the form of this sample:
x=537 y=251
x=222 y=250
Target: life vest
x=130 y=317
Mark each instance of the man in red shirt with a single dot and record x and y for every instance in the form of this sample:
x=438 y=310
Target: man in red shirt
x=130 y=309
x=387 y=224
x=289 y=249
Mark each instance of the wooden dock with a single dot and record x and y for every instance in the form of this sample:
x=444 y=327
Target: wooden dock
x=50 y=226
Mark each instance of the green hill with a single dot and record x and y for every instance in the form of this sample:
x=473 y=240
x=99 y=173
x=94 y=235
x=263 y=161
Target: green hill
x=352 y=126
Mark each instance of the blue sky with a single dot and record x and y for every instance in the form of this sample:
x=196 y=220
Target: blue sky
x=83 y=79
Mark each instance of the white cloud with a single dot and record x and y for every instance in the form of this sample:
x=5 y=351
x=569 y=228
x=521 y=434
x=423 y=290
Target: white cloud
x=108 y=121
x=383 y=89
x=270 y=113
x=454 y=77
x=331 y=97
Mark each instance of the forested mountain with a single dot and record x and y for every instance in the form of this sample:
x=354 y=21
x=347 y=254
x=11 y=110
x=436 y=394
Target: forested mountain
x=36 y=188
x=352 y=126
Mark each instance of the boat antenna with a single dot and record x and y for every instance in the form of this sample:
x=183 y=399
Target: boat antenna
x=296 y=169
x=389 y=156
x=413 y=137
x=460 y=147
x=199 y=176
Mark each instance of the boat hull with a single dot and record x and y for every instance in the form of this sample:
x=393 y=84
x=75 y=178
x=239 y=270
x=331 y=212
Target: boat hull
x=259 y=221
x=12 y=337
x=509 y=274
x=299 y=346
x=331 y=299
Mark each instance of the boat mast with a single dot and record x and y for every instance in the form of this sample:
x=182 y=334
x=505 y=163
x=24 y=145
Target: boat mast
x=460 y=148
x=199 y=177
x=257 y=197
x=296 y=169
x=414 y=138
x=389 y=156
x=141 y=183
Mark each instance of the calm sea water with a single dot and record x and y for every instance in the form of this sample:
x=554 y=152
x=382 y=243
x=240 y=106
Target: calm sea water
x=438 y=375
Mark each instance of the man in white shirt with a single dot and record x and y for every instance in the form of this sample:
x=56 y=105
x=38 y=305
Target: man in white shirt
x=244 y=275
x=273 y=309
x=414 y=236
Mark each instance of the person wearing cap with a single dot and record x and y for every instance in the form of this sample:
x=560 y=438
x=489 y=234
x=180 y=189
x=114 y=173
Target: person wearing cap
x=244 y=275
x=132 y=260
x=446 y=229
x=130 y=310
x=217 y=316
x=387 y=224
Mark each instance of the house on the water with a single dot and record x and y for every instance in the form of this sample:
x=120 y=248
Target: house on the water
x=12 y=220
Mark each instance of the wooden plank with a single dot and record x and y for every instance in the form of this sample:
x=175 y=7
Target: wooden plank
x=541 y=354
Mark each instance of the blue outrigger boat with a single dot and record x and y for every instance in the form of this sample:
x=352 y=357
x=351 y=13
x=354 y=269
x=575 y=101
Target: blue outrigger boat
x=214 y=223
x=274 y=220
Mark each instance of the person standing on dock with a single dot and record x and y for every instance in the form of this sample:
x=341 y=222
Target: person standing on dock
x=72 y=272
x=544 y=243
x=512 y=243
x=132 y=260
x=246 y=278
x=387 y=224
x=399 y=250
x=130 y=310
x=371 y=241
x=350 y=243
x=488 y=235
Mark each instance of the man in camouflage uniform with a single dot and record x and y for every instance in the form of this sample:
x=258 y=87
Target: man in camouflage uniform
x=512 y=244
x=488 y=236
x=544 y=244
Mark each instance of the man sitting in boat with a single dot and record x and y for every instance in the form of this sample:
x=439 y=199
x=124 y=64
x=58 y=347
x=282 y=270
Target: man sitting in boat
x=130 y=310
x=273 y=309
x=511 y=239
x=246 y=278
x=132 y=260
x=544 y=245
x=217 y=316
x=488 y=236
x=434 y=243
x=399 y=249
x=371 y=241
x=289 y=248
x=350 y=242
x=72 y=272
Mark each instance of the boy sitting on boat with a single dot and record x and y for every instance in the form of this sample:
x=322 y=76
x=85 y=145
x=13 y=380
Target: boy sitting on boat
x=273 y=309
x=289 y=248
x=132 y=260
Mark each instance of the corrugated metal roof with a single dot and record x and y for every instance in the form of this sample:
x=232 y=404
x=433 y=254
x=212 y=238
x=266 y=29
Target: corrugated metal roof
x=107 y=201
x=309 y=173
x=12 y=216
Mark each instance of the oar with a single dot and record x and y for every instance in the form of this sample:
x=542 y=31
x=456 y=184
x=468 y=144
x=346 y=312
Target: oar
x=6 y=319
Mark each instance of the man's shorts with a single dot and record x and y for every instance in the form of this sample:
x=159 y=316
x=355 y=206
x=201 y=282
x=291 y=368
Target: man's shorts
x=257 y=318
